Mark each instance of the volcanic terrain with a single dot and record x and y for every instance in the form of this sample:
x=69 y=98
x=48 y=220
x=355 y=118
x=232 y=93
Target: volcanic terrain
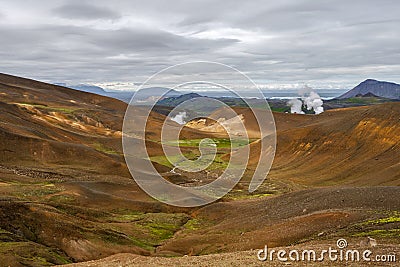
x=67 y=196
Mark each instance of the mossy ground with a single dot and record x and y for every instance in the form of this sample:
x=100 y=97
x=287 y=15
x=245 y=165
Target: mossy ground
x=102 y=148
x=30 y=254
x=67 y=110
x=386 y=225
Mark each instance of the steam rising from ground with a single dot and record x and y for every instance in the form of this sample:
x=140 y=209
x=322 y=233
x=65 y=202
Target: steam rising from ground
x=180 y=117
x=309 y=99
x=295 y=106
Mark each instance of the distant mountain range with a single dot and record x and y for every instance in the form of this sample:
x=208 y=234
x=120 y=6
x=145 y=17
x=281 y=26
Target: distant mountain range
x=122 y=95
x=173 y=101
x=148 y=93
x=89 y=88
x=369 y=88
x=372 y=87
x=143 y=95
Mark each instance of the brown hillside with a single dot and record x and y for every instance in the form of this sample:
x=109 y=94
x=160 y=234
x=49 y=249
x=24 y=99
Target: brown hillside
x=67 y=196
x=46 y=125
x=354 y=146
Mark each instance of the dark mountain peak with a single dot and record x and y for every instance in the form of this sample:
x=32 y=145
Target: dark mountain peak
x=371 y=87
x=151 y=92
x=176 y=100
x=88 y=88
x=190 y=95
x=159 y=90
x=369 y=81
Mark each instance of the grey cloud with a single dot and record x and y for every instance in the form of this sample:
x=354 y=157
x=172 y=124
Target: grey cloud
x=287 y=41
x=85 y=11
x=58 y=52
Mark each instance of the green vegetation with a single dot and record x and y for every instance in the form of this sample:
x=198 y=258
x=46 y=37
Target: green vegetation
x=157 y=227
x=162 y=231
x=193 y=224
x=280 y=109
x=163 y=160
x=50 y=108
x=361 y=100
x=62 y=109
x=127 y=227
x=217 y=164
x=124 y=215
x=82 y=212
x=2 y=231
x=150 y=229
x=63 y=198
x=387 y=226
x=197 y=224
x=380 y=233
x=391 y=219
x=31 y=254
x=100 y=147
x=142 y=244
x=243 y=196
x=220 y=142
x=29 y=191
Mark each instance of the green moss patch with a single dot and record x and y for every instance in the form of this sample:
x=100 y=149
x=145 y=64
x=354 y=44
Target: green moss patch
x=100 y=147
x=390 y=233
x=220 y=142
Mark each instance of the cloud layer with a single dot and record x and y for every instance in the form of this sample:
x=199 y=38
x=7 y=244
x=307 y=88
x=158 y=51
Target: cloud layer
x=321 y=43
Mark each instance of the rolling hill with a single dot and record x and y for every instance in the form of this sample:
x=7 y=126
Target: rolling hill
x=66 y=194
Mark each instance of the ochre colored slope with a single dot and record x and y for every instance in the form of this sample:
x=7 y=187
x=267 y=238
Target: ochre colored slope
x=354 y=146
x=64 y=184
x=52 y=126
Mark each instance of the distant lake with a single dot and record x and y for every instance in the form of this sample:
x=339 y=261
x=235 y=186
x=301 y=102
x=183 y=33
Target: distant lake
x=270 y=94
x=281 y=94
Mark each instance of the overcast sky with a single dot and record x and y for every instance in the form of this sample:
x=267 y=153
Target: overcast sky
x=118 y=44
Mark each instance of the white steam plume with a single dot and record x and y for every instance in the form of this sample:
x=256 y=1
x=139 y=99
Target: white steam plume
x=295 y=106
x=310 y=99
x=180 y=117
